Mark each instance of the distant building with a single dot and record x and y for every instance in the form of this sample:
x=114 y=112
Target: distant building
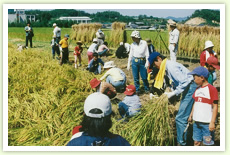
x=78 y=19
x=19 y=16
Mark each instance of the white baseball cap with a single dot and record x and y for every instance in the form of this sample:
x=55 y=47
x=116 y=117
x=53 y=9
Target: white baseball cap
x=99 y=101
x=136 y=34
x=54 y=24
x=208 y=44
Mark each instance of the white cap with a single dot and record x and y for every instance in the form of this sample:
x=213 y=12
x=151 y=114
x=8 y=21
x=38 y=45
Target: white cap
x=109 y=64
x=95 y=39
x=136 y=34
x=208 y=44
x=121 y=43
x=99 y=101
x=54 y=24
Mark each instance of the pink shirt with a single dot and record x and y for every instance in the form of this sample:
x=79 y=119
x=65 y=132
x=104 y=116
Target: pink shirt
x=102 y=47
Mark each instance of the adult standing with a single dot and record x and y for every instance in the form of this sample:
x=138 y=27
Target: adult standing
x=182 y=83
x=100 y=37
x=65 y=49
x=57 y=33
x=139 y=55
x=29 y=34
x=174 y=35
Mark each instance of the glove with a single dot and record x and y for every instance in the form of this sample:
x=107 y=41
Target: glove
x=128 y=66
x=146 y=64
x=169 y=94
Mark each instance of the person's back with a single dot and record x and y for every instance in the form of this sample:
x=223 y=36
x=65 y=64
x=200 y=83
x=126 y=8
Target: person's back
x=93 y=47
x=121 y=52
x=110 y=140
x=96 y=124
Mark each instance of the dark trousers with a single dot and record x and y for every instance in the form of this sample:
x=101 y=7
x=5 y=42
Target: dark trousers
x=28 y=38
x=65 y=54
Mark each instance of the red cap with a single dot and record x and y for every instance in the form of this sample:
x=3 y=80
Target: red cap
x=94 y=83
x=214 y=62
x=130 y=90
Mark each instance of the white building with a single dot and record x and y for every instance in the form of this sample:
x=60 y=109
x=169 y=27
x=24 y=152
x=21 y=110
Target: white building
x=20 y=16
x=78 y=19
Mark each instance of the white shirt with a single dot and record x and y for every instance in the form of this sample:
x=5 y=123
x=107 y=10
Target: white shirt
x=127 y=47
x=114 y=73
x=174 y=36
x=139 y=51
x=57 y=32
x=93 y=48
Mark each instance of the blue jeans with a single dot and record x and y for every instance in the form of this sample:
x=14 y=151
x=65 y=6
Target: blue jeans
x=200 y=131
x=123 y=109
x=119 y=85
x=139 y=67
x=102 y=53
x=184 y=112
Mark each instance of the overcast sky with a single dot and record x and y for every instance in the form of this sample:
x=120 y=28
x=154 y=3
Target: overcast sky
x=153 y=12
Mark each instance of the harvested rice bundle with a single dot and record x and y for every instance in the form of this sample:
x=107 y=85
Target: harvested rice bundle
x=152 y=127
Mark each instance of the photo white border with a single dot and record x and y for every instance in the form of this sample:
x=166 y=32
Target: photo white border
x=221 y=7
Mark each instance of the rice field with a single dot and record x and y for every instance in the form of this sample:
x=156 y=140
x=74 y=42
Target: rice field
x=46 y=100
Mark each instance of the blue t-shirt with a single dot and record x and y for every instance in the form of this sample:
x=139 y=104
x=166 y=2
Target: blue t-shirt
x=111 y=140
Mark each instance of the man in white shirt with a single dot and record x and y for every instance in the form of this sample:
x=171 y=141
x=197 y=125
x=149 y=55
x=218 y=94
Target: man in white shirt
x=57 y=33
x=173 y=40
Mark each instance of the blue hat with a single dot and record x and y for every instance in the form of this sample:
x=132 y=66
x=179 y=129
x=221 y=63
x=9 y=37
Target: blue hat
x=67 y=36
x=200 y=71
x=152 y=57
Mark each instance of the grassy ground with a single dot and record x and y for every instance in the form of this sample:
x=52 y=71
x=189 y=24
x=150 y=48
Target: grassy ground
x=46 y=100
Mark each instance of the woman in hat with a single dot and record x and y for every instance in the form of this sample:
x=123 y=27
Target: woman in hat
x=115 y=76
x=131 y=104
x=96 y=124
x=77 y=53
x=92 y=49
x=208 y=52
x=150 y=46
x=139 y=55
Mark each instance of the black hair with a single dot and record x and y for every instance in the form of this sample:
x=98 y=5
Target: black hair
x=95 y=54
x=105 y=43
x=96 y=127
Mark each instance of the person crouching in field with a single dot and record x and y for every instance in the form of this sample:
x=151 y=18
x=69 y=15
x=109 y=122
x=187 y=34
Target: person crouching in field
x=102 y=49
x=92 y=49
x=103 y=87
x=65 y=50
x=131 y=104
x=77 y=53
x=212 y=64
x=205 y=108
x=94 y=64
x=96 y=124
x=55 y=47
x=115 y=76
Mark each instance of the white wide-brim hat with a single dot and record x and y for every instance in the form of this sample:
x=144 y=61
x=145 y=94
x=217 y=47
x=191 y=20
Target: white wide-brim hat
x=97 y=101
x=208 y=44
x=109 y=64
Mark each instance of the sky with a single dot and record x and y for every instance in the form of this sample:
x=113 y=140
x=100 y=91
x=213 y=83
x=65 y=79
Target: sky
x=161 y=13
